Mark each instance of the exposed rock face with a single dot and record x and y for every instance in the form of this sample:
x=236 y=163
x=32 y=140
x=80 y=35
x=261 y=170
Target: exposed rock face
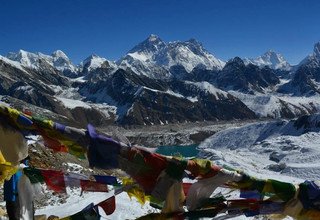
x=237 y=76
x=306 y=79
x=150 y=101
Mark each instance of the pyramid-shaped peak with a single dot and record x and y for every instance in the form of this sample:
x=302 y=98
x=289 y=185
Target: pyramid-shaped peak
x=271 y=54
x=23 y=51
x=93 y=56
x=193 y=41
x=153 y=38
x=152 y=44
x=270 y=51
x=235 y=60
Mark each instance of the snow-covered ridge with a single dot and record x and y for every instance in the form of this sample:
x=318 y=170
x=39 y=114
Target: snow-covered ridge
x=169 y=92
x=271 y=105
x=58 y=60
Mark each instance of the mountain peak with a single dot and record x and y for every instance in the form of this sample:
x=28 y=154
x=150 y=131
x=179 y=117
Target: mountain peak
x=22 y=52
x=270 y=51
x=153 y=38
x=92 y=56
x=271 y=59
x=316 y=50
x=236 y=59
x=234 y=63
x=193 y=41
x=92 y=62
x=153 y=52
x=59 y=53
x=152 y=44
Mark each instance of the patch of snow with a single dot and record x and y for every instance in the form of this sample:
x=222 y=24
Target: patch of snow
x=209 y=88
x=73 y=167
x=71 y=103
x=193 y=99
x=139 y=56
x=170 y=92
x=75 y=203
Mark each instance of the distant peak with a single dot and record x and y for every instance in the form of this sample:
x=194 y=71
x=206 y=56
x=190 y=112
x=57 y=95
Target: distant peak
x=270 y=51
x=22 y=51
x=20 y=54
x=153 y=37
x=152 y=43
x=92 y=56
x=194 y=43
x=235 y=60
x=193 y=40
x=59 y=53
x=316 y=50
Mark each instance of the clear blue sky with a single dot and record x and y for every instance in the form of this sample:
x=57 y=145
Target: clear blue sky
x=109 y=28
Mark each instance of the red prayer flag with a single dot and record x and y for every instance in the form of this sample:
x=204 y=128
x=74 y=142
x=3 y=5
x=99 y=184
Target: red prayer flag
x=53 y=144
x=54 y=180
x=108 y=205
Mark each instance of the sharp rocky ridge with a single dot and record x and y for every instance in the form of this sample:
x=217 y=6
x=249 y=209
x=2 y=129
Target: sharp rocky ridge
x=159 y=82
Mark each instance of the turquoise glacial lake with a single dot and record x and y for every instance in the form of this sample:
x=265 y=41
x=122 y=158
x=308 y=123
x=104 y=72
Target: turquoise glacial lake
x=185 y=151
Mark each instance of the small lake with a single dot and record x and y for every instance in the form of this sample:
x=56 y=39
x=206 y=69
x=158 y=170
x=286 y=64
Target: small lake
x=185 y=151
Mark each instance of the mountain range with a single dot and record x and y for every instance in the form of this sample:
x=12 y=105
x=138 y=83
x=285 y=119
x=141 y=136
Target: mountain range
x=158 y=82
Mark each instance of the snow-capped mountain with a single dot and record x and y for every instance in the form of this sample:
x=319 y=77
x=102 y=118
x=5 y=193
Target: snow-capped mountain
x=155 y=53
x=147 y=49
x=306 y=79
x=271 y=59
x=94 y=62
x=61 y=62
x=58 y=60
